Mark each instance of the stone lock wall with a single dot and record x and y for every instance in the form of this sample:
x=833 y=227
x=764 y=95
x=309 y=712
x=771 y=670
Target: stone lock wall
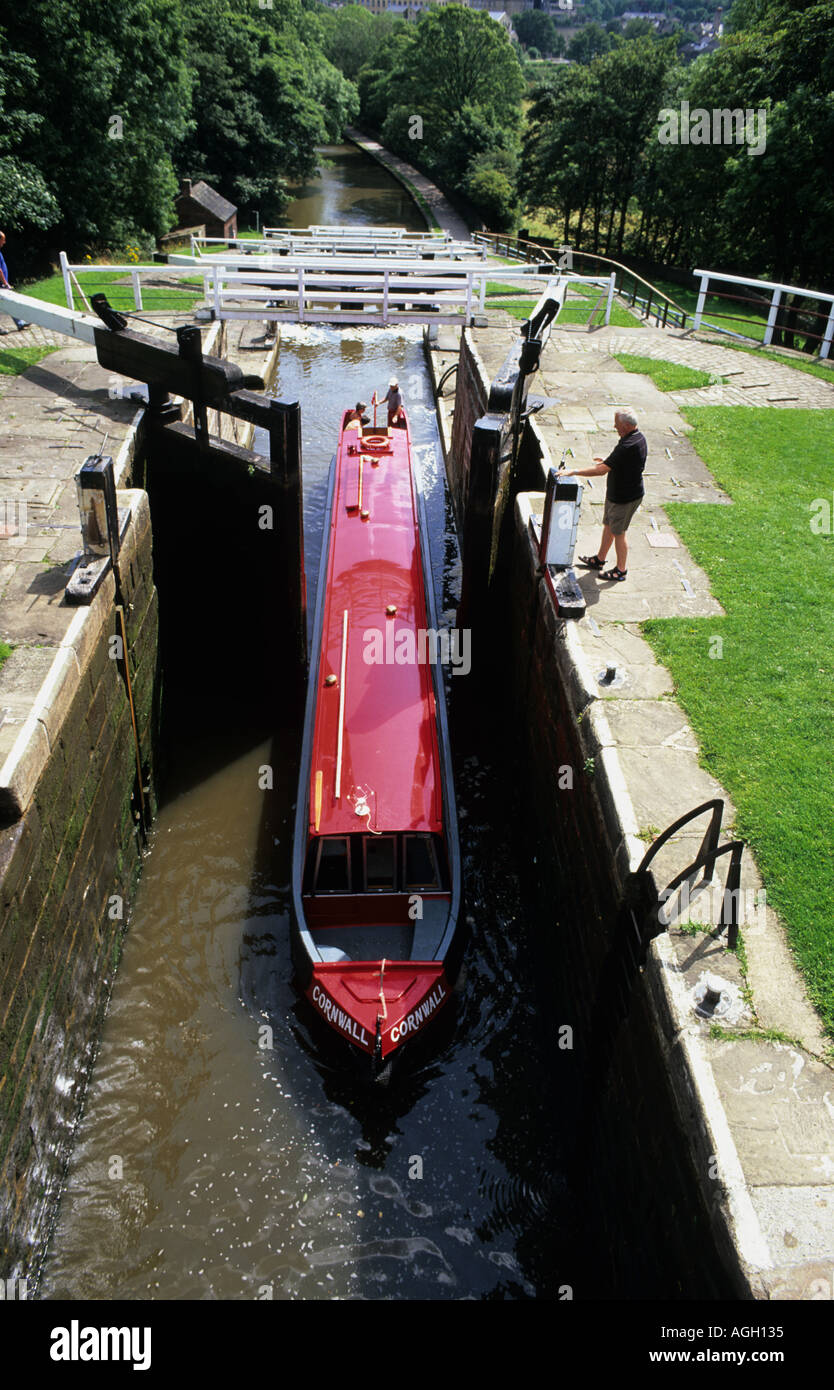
x=471 y=395
x=635 y=1153
x=69 y=851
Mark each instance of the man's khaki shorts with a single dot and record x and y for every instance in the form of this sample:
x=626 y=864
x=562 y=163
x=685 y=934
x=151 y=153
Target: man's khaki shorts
x=617 y=515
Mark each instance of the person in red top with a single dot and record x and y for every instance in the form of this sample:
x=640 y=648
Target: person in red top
x=394 y=401
x=4 y=275
x=623 y=492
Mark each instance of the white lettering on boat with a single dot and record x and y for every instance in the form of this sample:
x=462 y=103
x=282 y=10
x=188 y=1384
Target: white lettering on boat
x=331 y=1011
x=418 y=1016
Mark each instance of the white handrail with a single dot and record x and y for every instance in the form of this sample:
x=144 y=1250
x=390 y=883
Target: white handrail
x=777 y=290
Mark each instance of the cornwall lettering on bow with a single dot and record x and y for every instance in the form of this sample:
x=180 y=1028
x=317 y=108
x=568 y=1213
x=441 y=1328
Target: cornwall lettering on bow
x=337 y=1016
x=415 y=1020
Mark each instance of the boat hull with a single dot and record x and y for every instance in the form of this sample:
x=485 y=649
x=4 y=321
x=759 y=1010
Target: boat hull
x=375 y=1004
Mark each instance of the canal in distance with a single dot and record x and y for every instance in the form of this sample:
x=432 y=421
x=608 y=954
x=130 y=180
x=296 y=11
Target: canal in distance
x=208 y=1165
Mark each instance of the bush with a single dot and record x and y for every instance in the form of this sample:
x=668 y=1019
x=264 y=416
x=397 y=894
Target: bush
x=493 y=194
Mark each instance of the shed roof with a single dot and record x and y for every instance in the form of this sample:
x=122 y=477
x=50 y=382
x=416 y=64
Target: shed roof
x=208 y=198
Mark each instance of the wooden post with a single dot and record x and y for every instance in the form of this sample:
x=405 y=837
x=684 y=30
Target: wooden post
x=612 y=285
x=479 y=518
x=191 y=349
x=825 y=345
x=285 y=467
x=65 y=273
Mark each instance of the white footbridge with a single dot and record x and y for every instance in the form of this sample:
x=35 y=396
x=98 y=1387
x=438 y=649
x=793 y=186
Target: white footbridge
x=322 y=275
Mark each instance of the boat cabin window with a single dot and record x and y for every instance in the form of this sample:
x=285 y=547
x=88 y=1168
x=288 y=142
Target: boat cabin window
x=381 y=863
x=332 y=866
x=421 y=869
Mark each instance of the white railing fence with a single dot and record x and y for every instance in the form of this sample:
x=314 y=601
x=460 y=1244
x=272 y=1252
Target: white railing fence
x=326 y=289
x=139 y=274
x=776 y=292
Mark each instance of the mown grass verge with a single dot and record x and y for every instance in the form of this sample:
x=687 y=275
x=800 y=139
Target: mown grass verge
x=761 y=699
x=667 y=376
x=13 y=361
x=116 y=285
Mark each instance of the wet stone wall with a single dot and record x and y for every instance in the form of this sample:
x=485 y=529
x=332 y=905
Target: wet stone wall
x=69 y=860
x=471 y=395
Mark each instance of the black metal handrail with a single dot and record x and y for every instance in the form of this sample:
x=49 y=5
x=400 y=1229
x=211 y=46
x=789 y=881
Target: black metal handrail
x=657 y=910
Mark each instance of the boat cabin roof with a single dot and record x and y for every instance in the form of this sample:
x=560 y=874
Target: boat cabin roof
x=375 y=682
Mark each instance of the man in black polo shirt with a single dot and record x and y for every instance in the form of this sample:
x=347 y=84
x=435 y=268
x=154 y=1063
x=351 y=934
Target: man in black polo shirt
x=623 y=492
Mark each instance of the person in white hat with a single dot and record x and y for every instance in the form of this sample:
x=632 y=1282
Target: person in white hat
x=394 y=401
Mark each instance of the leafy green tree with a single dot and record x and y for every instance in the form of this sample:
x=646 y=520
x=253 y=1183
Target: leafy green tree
x=493 y=194
x=459 y=57
x=24 y=194
x=638 y=29
x=445 y=92
x=113 y=95
x=590 y=42
x=536 y=29
x=352 y=37
x=263 y=99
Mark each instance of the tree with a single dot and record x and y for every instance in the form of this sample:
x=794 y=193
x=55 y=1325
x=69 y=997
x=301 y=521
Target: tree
x=590 y=42
x=493 y=194
x=24 y=194
x=460 y=57
x=113 y=94
x=536 y=29
x=352 y=37
x=263 y=99
x=445 y=92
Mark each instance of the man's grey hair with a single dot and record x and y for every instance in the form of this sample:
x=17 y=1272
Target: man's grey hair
x=626 y=413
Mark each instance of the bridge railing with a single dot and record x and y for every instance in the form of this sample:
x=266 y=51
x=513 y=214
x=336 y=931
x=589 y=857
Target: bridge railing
x=342 y=233
x=136 y=280
x=278 y=241
x=320 y=288
x=349 y=292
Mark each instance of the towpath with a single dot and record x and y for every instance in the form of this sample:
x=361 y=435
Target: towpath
x=447 y=218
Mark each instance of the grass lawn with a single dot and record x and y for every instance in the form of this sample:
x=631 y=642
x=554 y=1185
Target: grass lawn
x=667 y=376
x=764 y=711
x=572 y=313
x=13 y=361
x=120 y=296
x=5 y=652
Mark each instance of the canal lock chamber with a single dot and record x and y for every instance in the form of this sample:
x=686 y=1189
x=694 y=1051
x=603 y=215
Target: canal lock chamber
x=507 y=1165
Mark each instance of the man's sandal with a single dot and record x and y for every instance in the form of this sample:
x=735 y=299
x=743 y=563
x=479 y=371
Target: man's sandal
x=593 y=562
x=616 y=574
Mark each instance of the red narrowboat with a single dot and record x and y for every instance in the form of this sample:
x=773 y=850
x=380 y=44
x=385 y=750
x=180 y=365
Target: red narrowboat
x=376 y=859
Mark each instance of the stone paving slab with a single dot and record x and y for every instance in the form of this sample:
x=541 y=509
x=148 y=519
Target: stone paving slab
x=52 y=416
x=784 y=1135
